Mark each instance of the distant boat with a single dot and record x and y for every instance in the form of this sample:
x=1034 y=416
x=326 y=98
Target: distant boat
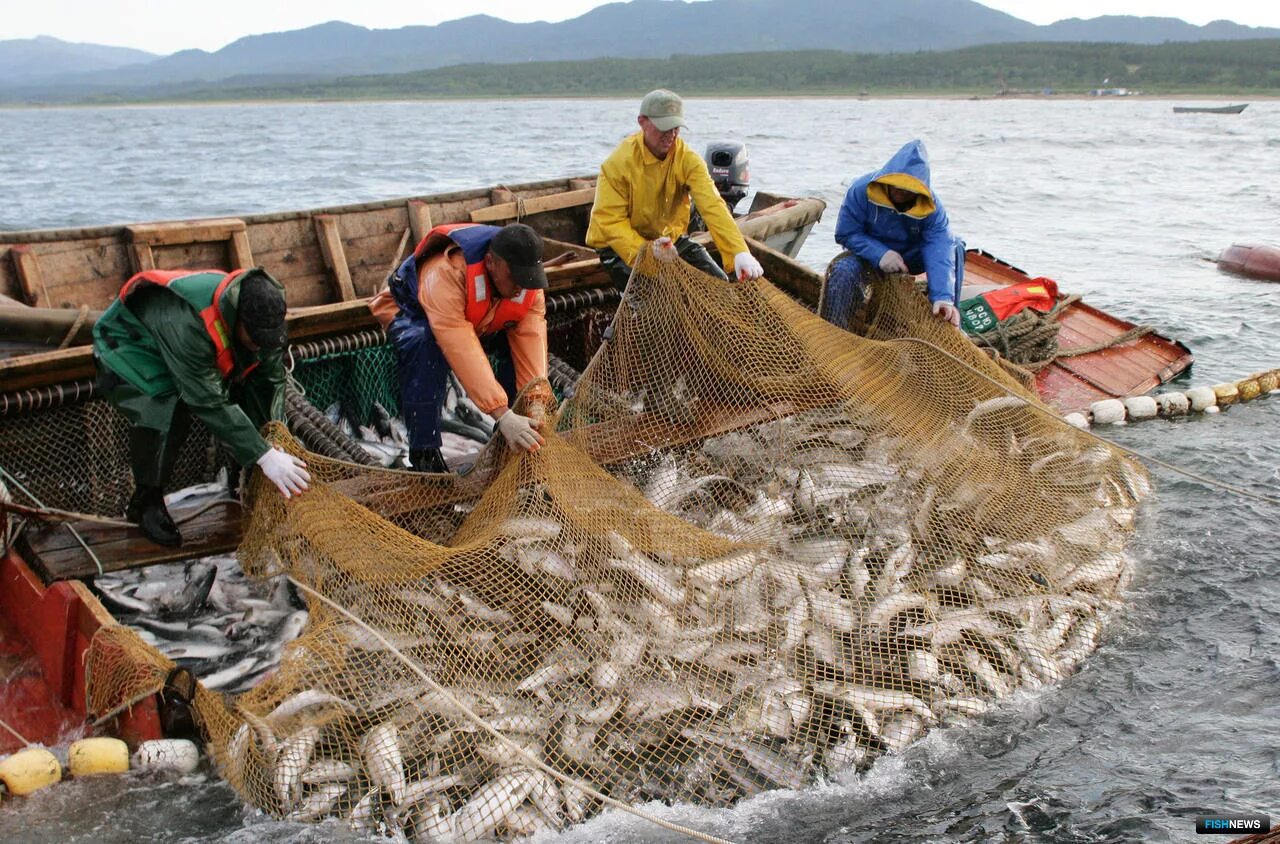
x=1251 y=261
x=1231 y=109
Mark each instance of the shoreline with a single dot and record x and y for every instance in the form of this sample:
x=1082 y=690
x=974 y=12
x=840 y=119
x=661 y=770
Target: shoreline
x=976 y=97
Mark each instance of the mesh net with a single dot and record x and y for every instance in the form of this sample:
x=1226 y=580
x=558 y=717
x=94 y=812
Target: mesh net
x=754 y=550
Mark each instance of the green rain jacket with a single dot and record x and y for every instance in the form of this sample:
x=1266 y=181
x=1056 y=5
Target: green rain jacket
x=156 y=341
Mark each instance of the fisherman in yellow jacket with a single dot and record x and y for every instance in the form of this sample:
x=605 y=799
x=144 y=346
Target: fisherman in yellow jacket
x=643 y=197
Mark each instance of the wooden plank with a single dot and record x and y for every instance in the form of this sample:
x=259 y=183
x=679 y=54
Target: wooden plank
x=185 y=231
x=537 y=205
x=334 y=255
x=29 y=276
x=241 y=254
x=140 y=253
x=55 y=555
x=419 y=220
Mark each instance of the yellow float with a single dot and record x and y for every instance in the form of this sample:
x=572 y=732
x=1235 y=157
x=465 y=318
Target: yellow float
x=30 y=770
x=98 y=756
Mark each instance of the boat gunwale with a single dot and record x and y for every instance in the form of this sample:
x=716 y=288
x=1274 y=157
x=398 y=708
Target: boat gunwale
x=25 y=236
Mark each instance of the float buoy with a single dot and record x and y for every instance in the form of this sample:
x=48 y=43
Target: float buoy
x=30 y=770
x=178 y=755
x=91 y=756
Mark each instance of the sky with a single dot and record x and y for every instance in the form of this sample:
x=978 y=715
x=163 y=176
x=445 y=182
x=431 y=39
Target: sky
x=166 y=26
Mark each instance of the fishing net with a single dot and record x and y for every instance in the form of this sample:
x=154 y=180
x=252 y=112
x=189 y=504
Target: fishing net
x=754 y=551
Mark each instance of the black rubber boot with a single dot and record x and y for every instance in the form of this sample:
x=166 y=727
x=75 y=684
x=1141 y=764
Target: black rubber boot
x=147 y=509
x=427 y=460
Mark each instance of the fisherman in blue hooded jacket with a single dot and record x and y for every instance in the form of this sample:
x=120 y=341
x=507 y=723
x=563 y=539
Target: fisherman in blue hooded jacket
x=891 y=220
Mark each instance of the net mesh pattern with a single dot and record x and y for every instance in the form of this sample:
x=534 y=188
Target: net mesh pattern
x=755 y=550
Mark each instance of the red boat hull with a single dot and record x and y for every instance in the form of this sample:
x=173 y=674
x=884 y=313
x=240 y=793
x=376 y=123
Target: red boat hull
x=44 y=633
x=1261 y=262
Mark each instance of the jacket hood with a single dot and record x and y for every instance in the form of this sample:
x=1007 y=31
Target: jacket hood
x=907 y=169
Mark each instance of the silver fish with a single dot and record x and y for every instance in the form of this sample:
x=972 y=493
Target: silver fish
x=380 y=750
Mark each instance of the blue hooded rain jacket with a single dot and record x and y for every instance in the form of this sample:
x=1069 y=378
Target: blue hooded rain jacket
x=869 y=225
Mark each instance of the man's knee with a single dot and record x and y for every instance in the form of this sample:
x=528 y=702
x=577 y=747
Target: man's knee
x=619 y=271
x=694 y=254
x=845 y=290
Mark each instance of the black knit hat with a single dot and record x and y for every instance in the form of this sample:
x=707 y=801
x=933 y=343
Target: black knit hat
x=262 y=310
x=521 y=247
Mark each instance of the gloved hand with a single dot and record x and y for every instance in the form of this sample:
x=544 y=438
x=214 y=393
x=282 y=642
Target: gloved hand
x=287 y=472
x=947 y=311
x=664 y=249
x=891 y=262
x=519 y=431
x=746 y=267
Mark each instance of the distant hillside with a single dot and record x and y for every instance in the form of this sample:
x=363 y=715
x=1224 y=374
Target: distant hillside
x=637 y=29
x=1226 y=67
x=29 y=59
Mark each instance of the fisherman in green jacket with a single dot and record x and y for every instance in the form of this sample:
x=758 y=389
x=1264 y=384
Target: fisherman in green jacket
x=203 y=342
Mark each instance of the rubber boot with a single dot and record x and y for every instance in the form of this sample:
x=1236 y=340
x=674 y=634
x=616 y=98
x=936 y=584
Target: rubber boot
x=146 y=508
x=427 y=460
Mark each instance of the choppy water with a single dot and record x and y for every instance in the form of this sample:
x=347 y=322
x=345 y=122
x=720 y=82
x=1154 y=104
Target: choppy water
x=1177 y=714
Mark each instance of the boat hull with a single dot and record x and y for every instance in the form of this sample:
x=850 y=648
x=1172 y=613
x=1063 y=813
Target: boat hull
x=1231 y=109
x=45 y=631
x=1250 y=261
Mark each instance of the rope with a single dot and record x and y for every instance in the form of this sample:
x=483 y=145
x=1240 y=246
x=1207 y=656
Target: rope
x=511 y=745
x=52 y=514
x=40 y=504
x=16 y=734
x=128 y=704
x=75 y=327
x=1041 y=409
x=1030 y=338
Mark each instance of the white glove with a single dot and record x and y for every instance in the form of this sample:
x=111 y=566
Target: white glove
x=519 y=432
x=948 y=312
x=891 y=262
x=746 y=266
x=664 y=249
x=287 y=472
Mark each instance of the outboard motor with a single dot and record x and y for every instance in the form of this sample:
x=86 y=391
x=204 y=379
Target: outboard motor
x=727 y=161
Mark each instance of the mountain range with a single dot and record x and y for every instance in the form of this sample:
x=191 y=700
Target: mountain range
x=46 y=67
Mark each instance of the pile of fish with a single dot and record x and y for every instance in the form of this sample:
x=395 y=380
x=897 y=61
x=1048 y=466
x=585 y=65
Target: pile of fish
x=845 y=622
x=208 y=617
x=464 y=429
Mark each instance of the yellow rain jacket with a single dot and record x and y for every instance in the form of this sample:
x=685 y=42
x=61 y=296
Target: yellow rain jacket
x=641 y=197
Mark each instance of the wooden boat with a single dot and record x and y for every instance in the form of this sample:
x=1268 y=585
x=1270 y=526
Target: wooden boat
x=1229 y=109
x=1128 y=368
x=331 y=260
x=1251 y=261
x=54 y=282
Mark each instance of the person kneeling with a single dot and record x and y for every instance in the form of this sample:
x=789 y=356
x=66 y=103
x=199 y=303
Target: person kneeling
x=467 y=291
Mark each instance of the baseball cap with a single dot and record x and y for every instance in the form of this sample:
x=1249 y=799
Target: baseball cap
x=521 y=247
x=261 y=310
x=664 y=109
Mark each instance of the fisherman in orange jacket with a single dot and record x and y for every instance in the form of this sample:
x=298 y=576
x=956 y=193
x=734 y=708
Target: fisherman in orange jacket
x=467 y=291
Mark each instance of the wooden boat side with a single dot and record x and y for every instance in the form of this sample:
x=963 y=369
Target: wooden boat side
x=321 y=255
x=784 y=222
x=52 y=626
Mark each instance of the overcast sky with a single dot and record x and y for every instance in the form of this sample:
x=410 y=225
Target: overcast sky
x=166 y=26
